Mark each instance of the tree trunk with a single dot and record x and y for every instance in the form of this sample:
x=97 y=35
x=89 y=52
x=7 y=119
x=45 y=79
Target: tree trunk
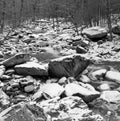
x=109 y=18
x=3 y=16
x=21 y=12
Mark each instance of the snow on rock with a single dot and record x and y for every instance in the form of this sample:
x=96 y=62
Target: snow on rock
x=32 y=68
x=96 y=33
x=88 y=93
x=15 y=60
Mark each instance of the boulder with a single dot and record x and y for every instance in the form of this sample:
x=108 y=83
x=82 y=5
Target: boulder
x=32 y=68
x=95 y=33
x=15 y=60
x=116 y=29
x=23 y=112
x=68 y=66
x=113 y=76
x=86 y=91
x=111 y=96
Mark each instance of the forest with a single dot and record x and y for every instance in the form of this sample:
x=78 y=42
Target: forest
x=79 y=12
x=59 y=60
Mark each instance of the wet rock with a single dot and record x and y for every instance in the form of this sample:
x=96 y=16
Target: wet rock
x=2 y=70
x=111 y=96
x=23 y=112
x=95 y=33
x=15 y=60
x=116 y=29
x=68 y=66
x=31 y=68
x=113 y=76
x=81 y=50
x=88 y=94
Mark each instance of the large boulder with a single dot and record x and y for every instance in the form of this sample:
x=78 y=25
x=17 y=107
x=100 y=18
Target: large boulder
x=32 y=68
x=68 y=66
x=86 y=91
x=23 y=112
x=15 y=60
x=95 y=33
x=116 y=29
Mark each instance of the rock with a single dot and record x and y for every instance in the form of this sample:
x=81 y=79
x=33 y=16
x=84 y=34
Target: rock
x=23 y=112
x=98 y=74
x=69 y=109
x=4 y=99
x=27 y=40
x=52 y=90
x=29 y=88
x=2 y=70
x=104 y=87
x=84 y=79
x=9 y=72
x=53 y=80
x=1 y=55
x=81 y=50
x=116 y=29
x=113 y=76
x=111 y=96
x=5 y=77
x=95 y=33
x=26 y=81
x=71 y=80
x=62 y=81
x=88 y=94
x=31 y=68
x=15 y=60
x=68 y=66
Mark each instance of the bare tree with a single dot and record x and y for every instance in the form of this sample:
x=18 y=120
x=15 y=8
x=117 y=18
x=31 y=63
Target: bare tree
x=3 y=15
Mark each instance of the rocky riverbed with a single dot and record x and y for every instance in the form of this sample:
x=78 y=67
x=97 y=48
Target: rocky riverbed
x=55 y=75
